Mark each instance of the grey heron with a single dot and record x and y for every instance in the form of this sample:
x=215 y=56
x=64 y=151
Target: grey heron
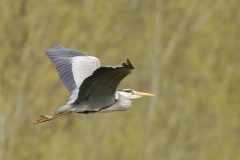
x=92 y=88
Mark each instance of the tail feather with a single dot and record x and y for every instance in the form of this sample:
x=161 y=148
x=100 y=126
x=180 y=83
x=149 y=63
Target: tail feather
x=61 y=109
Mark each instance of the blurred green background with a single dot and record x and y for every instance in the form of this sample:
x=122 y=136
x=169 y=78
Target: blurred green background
x=184 y=51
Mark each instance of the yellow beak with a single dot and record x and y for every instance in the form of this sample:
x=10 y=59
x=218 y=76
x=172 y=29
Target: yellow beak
x=142 y=94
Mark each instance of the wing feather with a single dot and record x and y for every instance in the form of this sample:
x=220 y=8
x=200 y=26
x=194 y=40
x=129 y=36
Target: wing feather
x=103 y=83
x=72 y=66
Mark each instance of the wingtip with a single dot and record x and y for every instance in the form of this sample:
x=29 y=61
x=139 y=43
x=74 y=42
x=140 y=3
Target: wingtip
x=57 y=45
x=129 y=64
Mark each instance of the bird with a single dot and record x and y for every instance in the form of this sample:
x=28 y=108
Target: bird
x=92 y=88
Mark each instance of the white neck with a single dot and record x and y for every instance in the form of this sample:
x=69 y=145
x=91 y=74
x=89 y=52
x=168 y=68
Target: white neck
x=123 y=103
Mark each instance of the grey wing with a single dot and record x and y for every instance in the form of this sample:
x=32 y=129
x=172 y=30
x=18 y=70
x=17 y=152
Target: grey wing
x=100 y=87
x=73 y=67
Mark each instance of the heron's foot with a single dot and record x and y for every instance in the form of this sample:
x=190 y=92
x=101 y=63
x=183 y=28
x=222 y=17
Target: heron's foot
x=48 y=118
x=44 y=119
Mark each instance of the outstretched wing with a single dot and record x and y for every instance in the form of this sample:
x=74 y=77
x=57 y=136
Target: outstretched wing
x=101 y=86
x=72 y=66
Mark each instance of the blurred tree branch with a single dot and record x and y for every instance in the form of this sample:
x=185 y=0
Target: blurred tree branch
x=2 y=136
x=207 y=15
x=159 y=62
x=155 y=59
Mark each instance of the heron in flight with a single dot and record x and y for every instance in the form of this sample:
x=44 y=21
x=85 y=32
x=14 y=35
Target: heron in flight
x=92 y=88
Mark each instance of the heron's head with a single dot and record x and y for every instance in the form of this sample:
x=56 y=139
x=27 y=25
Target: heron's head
x=131 y=94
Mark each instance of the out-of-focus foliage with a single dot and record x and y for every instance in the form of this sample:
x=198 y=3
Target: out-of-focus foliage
x=197 y=63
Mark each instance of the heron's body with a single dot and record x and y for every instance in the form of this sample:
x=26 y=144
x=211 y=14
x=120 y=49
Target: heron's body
x=92 y=88
x=119 y=103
